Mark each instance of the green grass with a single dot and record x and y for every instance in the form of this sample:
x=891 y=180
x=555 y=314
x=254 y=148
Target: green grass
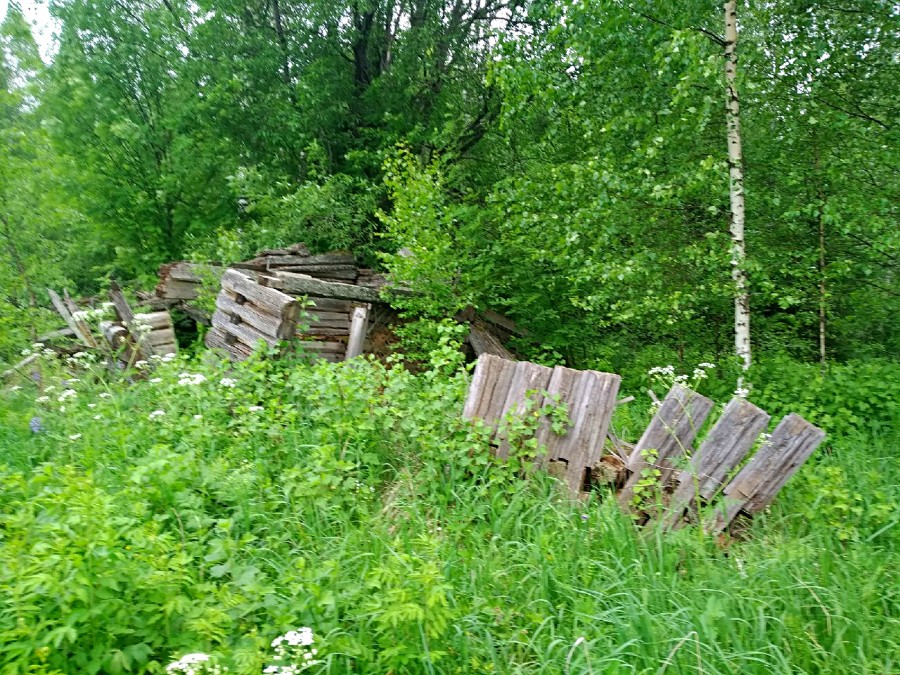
x=356 y=502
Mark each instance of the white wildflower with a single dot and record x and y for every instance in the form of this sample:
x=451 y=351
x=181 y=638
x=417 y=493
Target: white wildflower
x=700 y=374
x=26 y=352
x=741 y=392
x=141 y=364
x=42 y=399
x=156 y=414
x=198 y=417
x=74 y=437
x=681 y=379
x=48 y=352
x=49 y=389
x=91 y=405
x=62 y=408
x=191 y=379
x=169 y=357
x=37 y=346
x=255 y=408
x=98 y=417
x=188 y=664
x=155 y=380
x=104 y=394
x=156 y=357
x=228 y=382
x=707 y=365
x=67 y=394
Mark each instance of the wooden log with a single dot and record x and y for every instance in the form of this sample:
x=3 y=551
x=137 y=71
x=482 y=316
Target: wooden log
x=315 y=269
x=324 y=332
x=246 y=333
x=487 y=391
x=721 y=451
x=358 y=325
x=335 y=258
x=218 y=339
x=671 y=431
x=173 y=289
x=484 y=341
x=318 y=316
x=166 y=348
x=591 y=399
x=299 y=284
x=255 y=316
x=342 y=324
x=317 y=346
x=329 y=305
x=527 y=377
x=269 y=300
x=757 y=483
x=156 y=320
x=160 y=337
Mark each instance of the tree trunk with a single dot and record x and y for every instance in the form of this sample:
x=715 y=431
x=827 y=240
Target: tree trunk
x=736 y=189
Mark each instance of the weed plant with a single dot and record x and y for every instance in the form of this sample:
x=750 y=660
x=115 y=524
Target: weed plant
x=200 y=506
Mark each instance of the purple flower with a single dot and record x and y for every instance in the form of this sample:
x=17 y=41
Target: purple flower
x=35 y=425
x=584 y=516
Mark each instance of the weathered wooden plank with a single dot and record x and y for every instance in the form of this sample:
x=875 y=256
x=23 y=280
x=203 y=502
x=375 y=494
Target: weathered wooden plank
x=167 y=348
x=315 y=269
x=324 y=332
x=591 y=404
x=330 y=305
x=527 y=377
x=160 y=337
x=242 y=331
x=757 y=483
x=335 y=258
x=501 y=321
x=254 y=315
x=317 y=346
x=156 y=320
x=54 y=334
x=358 y=325
x=671 y=431
x=172 y=289
x=342 y=323
x=78 y=326
x=484 y=341
x=269 y=300
x=299 y=284
x=318 y=315
x=563 y=383
x=721 y=451
x=487 y=392
x=217 y=339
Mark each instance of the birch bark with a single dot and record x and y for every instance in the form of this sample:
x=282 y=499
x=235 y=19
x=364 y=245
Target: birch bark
x=736 y=189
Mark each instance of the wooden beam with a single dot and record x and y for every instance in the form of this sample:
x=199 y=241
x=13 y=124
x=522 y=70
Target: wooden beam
x=300 y=284
x=358 y=325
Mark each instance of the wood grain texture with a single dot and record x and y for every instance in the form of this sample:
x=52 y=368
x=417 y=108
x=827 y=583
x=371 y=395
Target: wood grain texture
x=484 y=341
x=335 y=258
x=155 y=320
x=75 y=326
x=528 y=382
x=730 y=439
x=671 y=431
x=253 y=315
x=487 y=392
x=269 y=300
x=299 y=284
x=242 y=331
x=757 y=483
x=217 y=339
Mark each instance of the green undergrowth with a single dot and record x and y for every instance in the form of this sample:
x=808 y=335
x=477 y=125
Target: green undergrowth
x=205 y=507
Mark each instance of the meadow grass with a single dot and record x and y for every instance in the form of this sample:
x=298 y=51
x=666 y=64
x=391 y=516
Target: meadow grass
x=352 y=499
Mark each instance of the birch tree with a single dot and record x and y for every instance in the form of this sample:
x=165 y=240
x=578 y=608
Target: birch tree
x=736 y=189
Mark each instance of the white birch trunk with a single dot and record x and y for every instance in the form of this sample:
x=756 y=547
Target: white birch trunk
x=736 y=182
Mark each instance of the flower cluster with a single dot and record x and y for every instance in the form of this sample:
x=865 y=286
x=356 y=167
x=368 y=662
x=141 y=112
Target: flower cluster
x=228 y=382
x=195 y=664
x=296 y=646
x=156 y=414
x=190 y=379
x=165 y=358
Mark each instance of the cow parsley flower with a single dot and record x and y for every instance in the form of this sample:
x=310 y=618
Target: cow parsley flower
x=42 y=399
x=193 y=664
x=255 y=408
x=155 y=380
x=741 y=392
x=74 y=437
x=156 y=414
x=191 y=379
x=67 y=394
x=104 y=394
x=228 y=382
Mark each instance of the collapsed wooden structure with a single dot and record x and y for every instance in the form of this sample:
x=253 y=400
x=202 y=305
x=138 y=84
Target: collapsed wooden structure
x=662 y=470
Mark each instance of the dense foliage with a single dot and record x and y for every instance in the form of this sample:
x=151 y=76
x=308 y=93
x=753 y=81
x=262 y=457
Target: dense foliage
x=564 y=163
x=207 y=508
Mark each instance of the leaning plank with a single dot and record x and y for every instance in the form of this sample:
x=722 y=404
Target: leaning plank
x=358 y=325
x=484 y=341
x=670 y=433
x=591 y=402
x=77 y=326
x=274 y=301
x=528 y=382
x=487 y=392
x=721 y=451
x=253 y=315
x=126 y=316
x=754 y=488
x=299 y=284
x=243 y=332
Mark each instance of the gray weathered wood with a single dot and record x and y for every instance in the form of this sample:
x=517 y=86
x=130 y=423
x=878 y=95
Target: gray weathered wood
x=299 y=284
x=591 y=399
x=330 y=305
x=156 y=320
x=272 y=301
x=335 y=258
x=126 y=316
x=671 y=431
x=358 y=325
x=166 y=348
x=173 y=289
x=527 y=377
x=730 y=439
x=317 y=346
x=487 y=391
x=217 y=339
x=242 y=331
x=325 y=331
x=77 y=326
x=757 y=483
x=160 y=337
x=484 y=341
x=252 y=315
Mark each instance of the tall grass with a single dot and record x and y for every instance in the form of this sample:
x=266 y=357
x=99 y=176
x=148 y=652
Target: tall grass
x=351 y=498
